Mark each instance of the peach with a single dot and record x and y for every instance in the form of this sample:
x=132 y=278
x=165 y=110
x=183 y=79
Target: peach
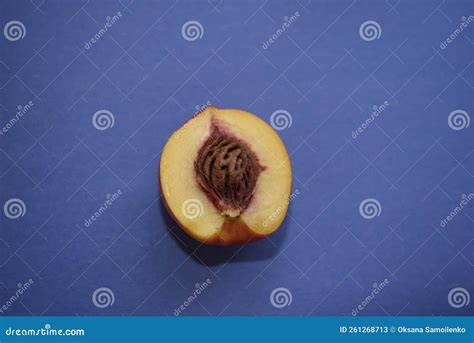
x=225 y=177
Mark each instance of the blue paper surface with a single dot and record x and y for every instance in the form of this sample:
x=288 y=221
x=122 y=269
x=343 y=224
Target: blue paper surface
x=102 y=85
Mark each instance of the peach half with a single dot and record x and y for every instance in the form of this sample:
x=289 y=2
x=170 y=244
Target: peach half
x=225 y=177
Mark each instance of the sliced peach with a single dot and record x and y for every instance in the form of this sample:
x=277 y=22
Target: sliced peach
x=225 y=177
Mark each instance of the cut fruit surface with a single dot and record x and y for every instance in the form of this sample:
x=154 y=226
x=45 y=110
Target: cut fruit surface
x=225 y=177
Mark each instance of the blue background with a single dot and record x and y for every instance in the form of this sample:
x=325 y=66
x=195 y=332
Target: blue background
x=320 y=71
